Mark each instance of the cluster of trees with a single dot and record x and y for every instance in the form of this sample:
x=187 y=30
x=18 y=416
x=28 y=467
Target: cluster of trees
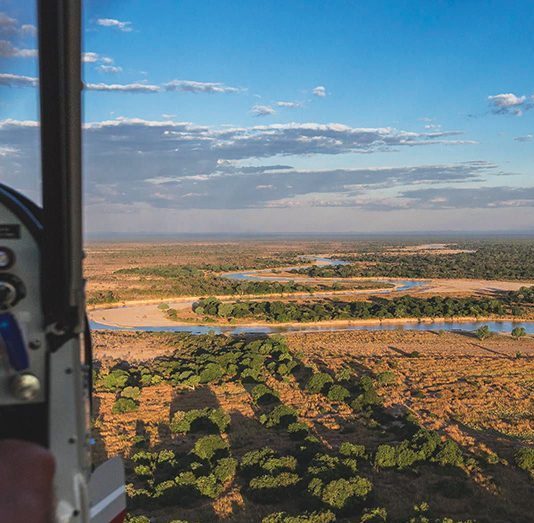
x=328 y=483
x=494 y=261
x=169 y=478
x=320 y=310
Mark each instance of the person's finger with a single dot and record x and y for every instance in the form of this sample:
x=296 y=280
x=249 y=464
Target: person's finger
x=26 y=482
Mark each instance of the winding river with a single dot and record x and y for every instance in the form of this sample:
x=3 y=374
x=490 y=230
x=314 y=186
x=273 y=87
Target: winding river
x=260 y=275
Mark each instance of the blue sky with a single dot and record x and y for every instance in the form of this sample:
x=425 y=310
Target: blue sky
x=284 y=116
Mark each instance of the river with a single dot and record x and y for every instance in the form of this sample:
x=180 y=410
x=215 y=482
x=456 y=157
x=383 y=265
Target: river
x=257 y=275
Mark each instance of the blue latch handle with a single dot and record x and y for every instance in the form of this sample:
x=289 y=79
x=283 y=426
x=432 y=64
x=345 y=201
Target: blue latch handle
x=13 y=342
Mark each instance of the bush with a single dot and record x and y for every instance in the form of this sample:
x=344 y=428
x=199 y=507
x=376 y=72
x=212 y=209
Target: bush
x=263 y=395
x=405 y=456
x=270 y=488
x=518 y=332
x=426 y=442
x=225 y=469
x=200 y=420
x=308 y=517
x=210 y=447
x=386 y=378
x=375 y=515
x=385 y=457
x=163 y=306
x=252 y=461
x=209 y=487
x=483 y=332
x=131 y=392
x=319 y=382
x=324 y=466
x=136 y=519
x=285 y=463
x=211 y=372
x=298 y=430
x=123 y=405
x=115 y=380
x=524 y=459
x=338 y=393
x=340 y=494
x=450 y=454
x=281 y=416
x=352 y=450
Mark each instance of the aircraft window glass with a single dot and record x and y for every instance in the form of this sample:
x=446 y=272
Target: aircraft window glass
x=19 y=98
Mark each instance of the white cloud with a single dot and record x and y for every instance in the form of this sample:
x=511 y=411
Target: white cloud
x=526 y=138
x=114 y=69
x=190 y=86
x=131 y=88
x=10 y=26
x=90 y=58
x=289 y=105
x=28 y=29
x=125 y=27
x=8 y=50
x=320 y=91
x=15 y=80
x=5 y=150
x=262 y=110
x=508 y=103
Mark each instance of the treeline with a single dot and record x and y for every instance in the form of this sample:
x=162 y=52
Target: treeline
x=506 y=261
x=380 y=308
x=186 y=280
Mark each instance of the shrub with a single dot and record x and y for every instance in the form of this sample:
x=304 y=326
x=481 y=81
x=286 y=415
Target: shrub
x=352 y=450
x=211 y=372
x=518 y=332
x=198 y=420
x=340 y=494
x=385 y=456
x=115 y=380
x=263 y=395
x=123 y=405
x=426 y=442
x=252 y=461
x=483 y=332
x=298 y=430
x=285 y=463
x=405 y=456
x=225 y=469
x=368 y=398
x=270 y=488
x=374 y=515
x=209 y=487
x=143 y=471
x=136 y=519
x=308 y=517
x=324 y=465
x=319 y=382
x=163 y=306
x=386 y=378
x=210 y=447
x=280 y=416
x=524 y=459
x=338 y=393
x=450 y=454
x=131 y=392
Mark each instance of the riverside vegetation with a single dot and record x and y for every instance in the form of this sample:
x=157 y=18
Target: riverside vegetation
x=515 y=303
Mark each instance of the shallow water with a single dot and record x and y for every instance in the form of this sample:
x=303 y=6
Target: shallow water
x=495 y=326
